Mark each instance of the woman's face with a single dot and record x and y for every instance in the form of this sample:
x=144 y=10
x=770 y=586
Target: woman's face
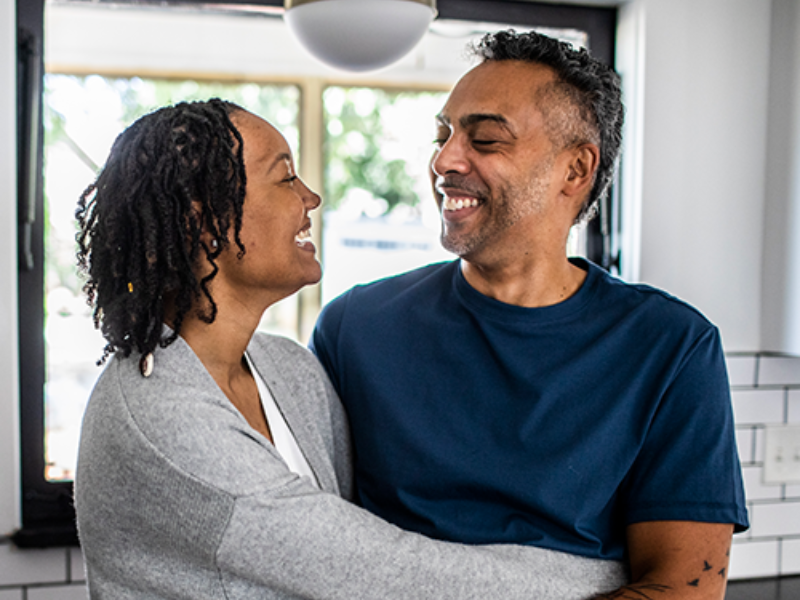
x=276 y=228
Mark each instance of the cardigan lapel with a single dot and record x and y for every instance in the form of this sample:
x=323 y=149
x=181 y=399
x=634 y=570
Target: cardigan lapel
x=304 y=426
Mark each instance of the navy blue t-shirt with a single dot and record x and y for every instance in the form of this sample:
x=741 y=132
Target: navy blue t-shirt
x=481 y=422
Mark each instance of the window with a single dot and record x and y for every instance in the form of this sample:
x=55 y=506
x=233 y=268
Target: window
x=364 y=143
x=379 y=220
x=82 y=116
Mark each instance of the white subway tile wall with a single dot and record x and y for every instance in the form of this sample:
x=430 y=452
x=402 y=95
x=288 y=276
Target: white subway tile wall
x=23 y=567
x=756 y=559
x=757 y=406
x=755 y=490
x=58 y=592
x=794 y=406
x=765 y=390
x=778 y=370
x=775 y=519
x=76 y=572
x=790 y=556
x=741 y=369
x=41 y=574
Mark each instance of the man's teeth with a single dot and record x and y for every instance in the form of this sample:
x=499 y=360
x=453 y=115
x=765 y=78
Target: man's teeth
x=459 y=203
x=303 y=236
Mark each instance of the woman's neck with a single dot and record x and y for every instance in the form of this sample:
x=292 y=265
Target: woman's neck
x=220 y=345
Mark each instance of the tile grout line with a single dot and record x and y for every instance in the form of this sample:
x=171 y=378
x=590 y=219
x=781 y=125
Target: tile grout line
x=786 y=405
x=756 y=370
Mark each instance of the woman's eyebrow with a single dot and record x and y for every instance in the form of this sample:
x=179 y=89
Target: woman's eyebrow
x=283 y=156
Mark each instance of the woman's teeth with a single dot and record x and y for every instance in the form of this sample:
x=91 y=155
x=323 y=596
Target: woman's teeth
x=459 y=203
x=302 y=237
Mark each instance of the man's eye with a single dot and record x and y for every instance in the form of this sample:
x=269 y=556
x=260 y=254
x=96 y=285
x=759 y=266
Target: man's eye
x=290 y=179
x=439 y=142
x=484 y=142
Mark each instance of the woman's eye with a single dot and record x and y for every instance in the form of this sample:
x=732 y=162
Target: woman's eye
x=439 y=142
x=290 y=179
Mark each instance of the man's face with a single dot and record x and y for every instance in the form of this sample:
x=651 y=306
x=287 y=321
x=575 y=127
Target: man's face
x=492 y=169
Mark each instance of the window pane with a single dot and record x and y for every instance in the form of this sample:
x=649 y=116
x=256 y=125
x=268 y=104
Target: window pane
x=83 y=115
x=380 y=217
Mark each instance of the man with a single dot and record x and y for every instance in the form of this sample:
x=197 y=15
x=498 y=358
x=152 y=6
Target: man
x=517 y=396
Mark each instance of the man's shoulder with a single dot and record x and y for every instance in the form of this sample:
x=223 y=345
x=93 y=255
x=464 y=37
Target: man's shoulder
x=404 y=283
x=651 y=300
x=375 y=304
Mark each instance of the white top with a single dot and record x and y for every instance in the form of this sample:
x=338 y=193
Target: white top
x=282 y=436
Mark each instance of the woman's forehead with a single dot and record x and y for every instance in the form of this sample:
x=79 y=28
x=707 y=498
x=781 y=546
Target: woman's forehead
x=261 y=139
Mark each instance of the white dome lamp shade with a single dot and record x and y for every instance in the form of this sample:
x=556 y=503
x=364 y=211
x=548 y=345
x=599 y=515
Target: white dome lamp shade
x=359 y=35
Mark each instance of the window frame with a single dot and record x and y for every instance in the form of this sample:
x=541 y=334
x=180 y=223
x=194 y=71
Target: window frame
x=48 y=516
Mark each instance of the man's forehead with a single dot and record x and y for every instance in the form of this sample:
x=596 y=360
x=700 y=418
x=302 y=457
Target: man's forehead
x=493 y=85
x=506 y=74
x=502 y=92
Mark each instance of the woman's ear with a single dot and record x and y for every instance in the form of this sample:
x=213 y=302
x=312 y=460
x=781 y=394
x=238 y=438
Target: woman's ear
x=207 y=239
x=581 y=170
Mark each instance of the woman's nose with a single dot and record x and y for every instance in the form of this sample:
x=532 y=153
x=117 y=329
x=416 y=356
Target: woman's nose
x=311 y=199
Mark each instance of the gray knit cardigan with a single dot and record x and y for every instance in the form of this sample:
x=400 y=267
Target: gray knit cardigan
x=178 y=497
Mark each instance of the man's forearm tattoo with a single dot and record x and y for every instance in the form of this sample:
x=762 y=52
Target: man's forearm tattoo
x=651 y=591
x=707 y=566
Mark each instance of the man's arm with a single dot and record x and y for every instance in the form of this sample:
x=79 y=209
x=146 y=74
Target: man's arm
x=676 y=559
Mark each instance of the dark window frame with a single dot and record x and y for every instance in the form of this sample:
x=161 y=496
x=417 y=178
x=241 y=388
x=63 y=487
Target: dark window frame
x=48 y=515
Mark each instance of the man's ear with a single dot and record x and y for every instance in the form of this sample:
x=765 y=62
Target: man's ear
x=581 y=169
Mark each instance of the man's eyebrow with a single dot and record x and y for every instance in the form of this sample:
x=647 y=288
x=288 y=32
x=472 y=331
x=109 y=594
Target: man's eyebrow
x=475 y=118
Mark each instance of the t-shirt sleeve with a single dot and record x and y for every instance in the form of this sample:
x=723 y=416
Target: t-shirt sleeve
x=688 y=468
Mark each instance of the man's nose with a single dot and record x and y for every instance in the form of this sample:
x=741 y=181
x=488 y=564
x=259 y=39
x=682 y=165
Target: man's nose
x=450 y=157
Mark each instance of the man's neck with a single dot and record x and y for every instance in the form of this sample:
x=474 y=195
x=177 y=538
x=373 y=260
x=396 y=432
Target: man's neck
x=528 y=283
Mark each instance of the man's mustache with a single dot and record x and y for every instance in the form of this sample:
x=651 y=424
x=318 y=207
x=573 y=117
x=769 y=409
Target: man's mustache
x=460 y=183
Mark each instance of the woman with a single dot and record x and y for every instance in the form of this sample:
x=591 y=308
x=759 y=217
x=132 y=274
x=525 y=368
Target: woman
x=212 y=459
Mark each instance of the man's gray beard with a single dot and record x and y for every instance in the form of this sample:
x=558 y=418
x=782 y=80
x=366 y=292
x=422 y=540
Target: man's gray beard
x=505 y=213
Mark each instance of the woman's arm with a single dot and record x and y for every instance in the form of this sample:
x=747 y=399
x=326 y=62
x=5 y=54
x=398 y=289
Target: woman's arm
x=317 y=546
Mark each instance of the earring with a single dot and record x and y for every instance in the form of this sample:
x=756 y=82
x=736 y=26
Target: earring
x=146 y=364
x=214 y=244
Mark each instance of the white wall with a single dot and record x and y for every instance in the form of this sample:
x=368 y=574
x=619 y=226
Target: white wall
x=184 y=42
x=9 y=445
x=780 y=321
x=703 y=113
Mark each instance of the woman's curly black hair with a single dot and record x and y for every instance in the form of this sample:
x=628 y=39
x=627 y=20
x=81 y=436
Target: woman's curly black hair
x=170 y=176
x=583 y=81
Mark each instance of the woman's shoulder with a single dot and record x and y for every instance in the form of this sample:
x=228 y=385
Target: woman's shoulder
x=281 y=359
x=263 y=340
x=176 y=412
x=279 y=350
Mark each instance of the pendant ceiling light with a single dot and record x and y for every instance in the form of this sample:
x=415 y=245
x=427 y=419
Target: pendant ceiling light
x=359 y=35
